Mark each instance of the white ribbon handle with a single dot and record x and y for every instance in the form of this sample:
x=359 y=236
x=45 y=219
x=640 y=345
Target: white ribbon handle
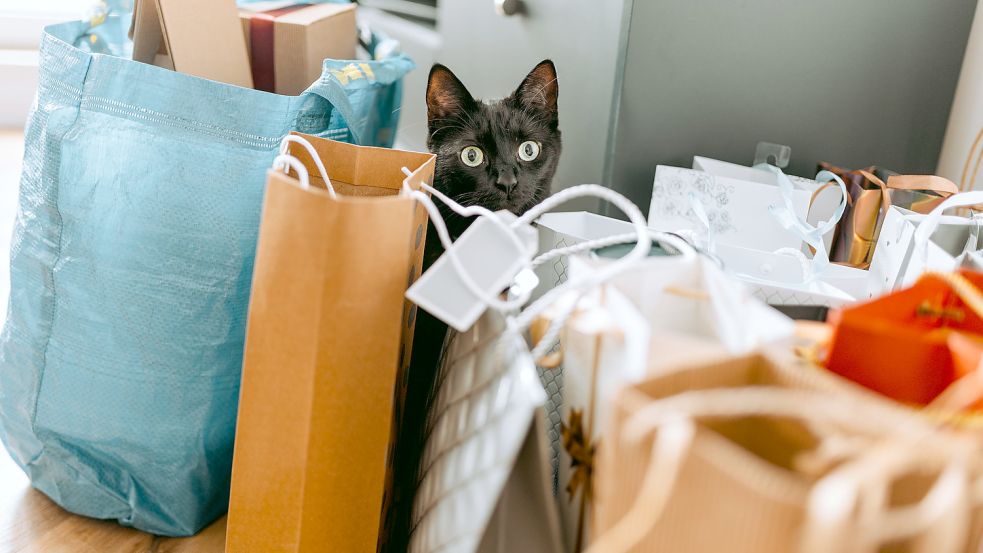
x=297 y=139
x=285 y=162
x=810 y=234
x=930 y=223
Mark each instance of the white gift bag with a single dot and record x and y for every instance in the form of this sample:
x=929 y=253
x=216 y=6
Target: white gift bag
x=782 y=278
x=604 y=344
x=910 y=244
x=484 y=475
x=737 y=210
x=691 y=296
x=485 y=479
x=821 y=199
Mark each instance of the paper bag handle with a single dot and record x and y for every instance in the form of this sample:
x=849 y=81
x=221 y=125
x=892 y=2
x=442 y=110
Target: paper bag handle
x=445 y=240
x=933 y=183
x=931 y=221
x=285 y=162
x=303 y=142
x=831 y=520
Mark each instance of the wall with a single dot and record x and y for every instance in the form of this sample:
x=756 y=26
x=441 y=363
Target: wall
x=854 y=82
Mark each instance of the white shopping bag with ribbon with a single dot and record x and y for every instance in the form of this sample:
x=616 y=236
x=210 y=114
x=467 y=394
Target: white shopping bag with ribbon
x=910 y=243
x=786 y=276
x=736 y=200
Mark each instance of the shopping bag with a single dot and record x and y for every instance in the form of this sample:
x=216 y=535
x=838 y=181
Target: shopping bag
x=736 y=209
x=690 y=296
x=486 y=447
x=910 y=243
x=740 y=455
x=131 y=266
x=327 y=346
x=821 y=198
x=788 y=276
x=872 y=192
x=485 y=483
x=901 y=344
x=604 y=344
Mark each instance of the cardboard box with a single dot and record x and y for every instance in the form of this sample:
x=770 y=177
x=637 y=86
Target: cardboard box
x=188 y=36
x=287 y=44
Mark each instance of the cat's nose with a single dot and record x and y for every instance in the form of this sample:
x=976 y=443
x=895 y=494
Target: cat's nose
x=506 y=180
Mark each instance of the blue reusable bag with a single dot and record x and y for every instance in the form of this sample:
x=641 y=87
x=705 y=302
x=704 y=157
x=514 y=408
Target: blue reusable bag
x=130 y=270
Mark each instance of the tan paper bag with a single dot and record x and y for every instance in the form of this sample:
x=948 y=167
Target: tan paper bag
x=745 y=455
x=327 y=346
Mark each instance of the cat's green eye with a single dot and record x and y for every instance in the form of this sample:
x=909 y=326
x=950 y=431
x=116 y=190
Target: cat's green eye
x=529 y=150
x=472 y=156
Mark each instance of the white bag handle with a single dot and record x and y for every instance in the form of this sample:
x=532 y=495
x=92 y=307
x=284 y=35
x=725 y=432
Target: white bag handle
x=641 y=249
x=285 y=162
x=444 y=236
x=297 y=139
x=930 y=223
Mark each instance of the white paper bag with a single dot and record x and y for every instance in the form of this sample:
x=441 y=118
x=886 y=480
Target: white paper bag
x=910 y=243
x=605 y=344
x=691 y=295
x=736 y=200
x=484 y=485
x=822 y=200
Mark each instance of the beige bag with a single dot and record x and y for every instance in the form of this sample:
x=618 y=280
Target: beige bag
x=327 y=344
x=745 y=455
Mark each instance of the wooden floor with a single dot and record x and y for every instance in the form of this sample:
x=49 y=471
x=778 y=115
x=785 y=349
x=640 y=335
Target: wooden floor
x=29 y=521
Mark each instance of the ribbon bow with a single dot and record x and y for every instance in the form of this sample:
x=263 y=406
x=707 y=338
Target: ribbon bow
x=810 y=234
x=577 y=444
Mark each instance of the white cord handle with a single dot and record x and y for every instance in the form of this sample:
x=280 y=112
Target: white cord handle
x=297 y=139
x=284 y=162
x=931 y=221
x=445 y=240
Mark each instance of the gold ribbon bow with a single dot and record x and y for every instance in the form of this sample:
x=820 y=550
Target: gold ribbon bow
x=577 y=444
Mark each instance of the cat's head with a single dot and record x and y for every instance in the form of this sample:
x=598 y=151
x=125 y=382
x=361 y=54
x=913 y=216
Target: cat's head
x=498 y=154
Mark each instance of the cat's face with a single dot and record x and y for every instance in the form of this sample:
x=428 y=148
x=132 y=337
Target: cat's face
x=501 y=154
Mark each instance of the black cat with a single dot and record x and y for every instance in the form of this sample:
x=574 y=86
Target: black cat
x=497 y=154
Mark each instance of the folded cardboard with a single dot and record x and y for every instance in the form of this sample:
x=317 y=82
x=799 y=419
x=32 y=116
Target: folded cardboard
x=197 y=38
x=288 y=43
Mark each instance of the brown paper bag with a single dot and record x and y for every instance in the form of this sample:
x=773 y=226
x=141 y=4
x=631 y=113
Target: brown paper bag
x=750 y=456
x=327 y=343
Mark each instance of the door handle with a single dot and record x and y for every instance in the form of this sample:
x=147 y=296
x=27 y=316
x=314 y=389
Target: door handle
x=509 y=7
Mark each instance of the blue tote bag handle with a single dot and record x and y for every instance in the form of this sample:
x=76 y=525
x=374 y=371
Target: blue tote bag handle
x=330 y=90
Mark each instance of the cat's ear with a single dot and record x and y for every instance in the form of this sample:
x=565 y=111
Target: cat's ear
x=446 y=94
x=539 y=88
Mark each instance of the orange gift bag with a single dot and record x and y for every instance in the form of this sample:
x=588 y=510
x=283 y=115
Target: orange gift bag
x=912 y=344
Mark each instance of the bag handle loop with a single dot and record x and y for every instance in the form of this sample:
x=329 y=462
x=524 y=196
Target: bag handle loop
x=329 y=89
x=303 y=142
x=931 y=222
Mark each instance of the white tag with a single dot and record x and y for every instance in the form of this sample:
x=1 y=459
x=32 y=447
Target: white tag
x=489 y=256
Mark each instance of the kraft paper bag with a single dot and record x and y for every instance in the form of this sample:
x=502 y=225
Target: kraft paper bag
x=327 y=347
x=750 y=455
